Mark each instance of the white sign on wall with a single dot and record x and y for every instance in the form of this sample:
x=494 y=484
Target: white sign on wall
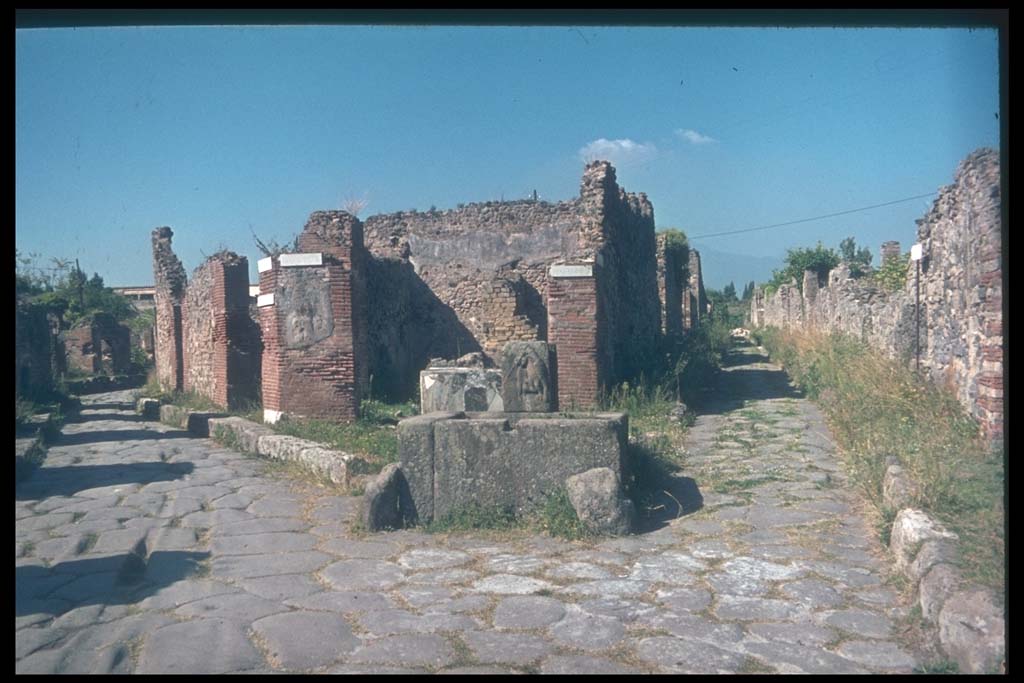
x=915 y=252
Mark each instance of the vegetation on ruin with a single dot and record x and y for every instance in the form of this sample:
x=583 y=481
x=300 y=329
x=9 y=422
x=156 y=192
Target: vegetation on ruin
x=819 y=259
x=878 y=408
x=373 y=435
x=893 y=273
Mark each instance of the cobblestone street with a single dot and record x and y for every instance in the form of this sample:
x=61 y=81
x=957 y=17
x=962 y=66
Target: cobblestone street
x=141 y=549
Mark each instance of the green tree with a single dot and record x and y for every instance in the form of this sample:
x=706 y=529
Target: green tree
x=859 y=259
x=819 y=259
x=729 y=293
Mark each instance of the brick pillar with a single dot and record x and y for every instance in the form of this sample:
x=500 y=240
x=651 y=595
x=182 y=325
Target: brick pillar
x=890 y=249
x=574 y=330
x=313 y=313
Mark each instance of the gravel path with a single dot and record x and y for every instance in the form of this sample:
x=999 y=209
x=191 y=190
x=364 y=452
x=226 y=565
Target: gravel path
x=141 y=549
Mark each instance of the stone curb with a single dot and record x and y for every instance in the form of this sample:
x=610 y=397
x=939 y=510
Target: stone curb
x=337 y=466
x=30 y=450
x=971 y=628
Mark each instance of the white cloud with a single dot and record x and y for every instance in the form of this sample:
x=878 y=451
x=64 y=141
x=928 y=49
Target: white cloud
x=619 y=152
x=694 y=137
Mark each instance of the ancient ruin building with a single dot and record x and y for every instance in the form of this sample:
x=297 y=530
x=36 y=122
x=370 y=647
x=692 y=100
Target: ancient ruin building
x=695 y=299
x=169 y=282
x=474 y=278
x=98 y=345
x=673 y=279
x=961 y=332
x=220 y=342
x=313 y=311
x=205 y=341
x=39 y=357
x=372 y=303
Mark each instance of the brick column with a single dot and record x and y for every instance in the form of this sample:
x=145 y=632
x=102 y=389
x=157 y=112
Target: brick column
x=573 y=328
x=313 y=313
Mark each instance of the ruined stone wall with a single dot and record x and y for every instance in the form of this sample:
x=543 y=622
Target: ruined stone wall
x=695 y=299
x=221 y=345
x=488 y=265
x=673 y=281
x=169 y=284
x=961 y=343
x=38 y=350
x=314 y=317
x=99 y=345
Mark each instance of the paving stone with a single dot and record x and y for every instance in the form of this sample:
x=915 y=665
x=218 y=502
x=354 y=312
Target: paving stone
x=528 y=611
x=463 y=605
x=693 y=627
x=204 y=646
x=479 y=671
x=754 y=609
x=624 y=610
x=583 y=664
x=260 y=544
x=682 y=600
x=710 y=550
x=348 y=547
x=28 y=640
x=674 y=655
x=281 y=587
x=621 y=587
x=671 y=568
x=581 y=629
x=798 y=634
x=40 y=522
x=365 y=669
x=421 y=596
x=734 y=584
x=445 y=577
x=875 y=655
x=515 y=564
x=520 y=649
x=882 y=597
x=250 y=566
x=577 y=570
x=184 y=592
x=343 y=601
x=238 y=606
x=394 y=621
x=298 y=641
x=429 y=650
x=812 y=593
x=789 y=658
x=359 y=575
x=510 y=584
x=859 y=622
x=431 y=558
x=89 y=615
x=598 y=556
x=276 y=507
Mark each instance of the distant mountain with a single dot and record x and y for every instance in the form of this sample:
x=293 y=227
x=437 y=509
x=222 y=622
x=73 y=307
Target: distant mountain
x=720 y=268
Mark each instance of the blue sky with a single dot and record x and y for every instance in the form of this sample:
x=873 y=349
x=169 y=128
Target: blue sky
x=213 y=130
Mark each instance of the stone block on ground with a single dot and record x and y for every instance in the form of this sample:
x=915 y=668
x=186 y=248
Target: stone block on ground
x=597 y=497
x=910 y=530
x=938 y=584
x=972 y=631
x=148 y=408
x=514 y=460
x=460 y=388
x=526 y=377
x=898 y=490
x=198 y=423
x=176 y=416
x=385 y=500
